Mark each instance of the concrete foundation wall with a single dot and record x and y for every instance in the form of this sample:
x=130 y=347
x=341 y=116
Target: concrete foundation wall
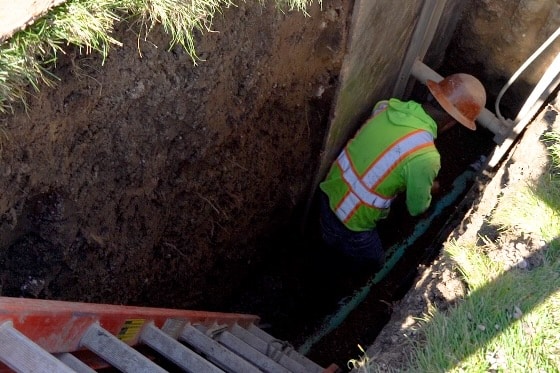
x=380 y=37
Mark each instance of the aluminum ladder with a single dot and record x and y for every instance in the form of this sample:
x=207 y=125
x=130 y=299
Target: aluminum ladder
x=56 y=336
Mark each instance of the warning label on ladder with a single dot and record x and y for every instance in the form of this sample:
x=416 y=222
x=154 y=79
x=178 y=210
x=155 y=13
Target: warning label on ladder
x=130 y=329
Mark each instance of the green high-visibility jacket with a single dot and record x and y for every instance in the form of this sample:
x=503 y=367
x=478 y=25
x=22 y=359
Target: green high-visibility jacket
x=392 y=152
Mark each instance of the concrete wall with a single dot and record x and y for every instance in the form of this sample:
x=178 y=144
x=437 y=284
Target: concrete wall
x=380 y=36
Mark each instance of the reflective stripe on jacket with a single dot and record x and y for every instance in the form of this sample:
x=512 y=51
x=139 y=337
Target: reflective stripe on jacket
x=393 y=151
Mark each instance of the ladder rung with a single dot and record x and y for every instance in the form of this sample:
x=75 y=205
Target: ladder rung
x=116 y=352
x=215 y=352
x=244 y=350
x=275 y=352
x=175 y=351
x=74 y=363
x=23 y=355
x=310 y=365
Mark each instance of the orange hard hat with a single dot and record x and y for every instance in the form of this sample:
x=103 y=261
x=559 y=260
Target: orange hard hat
x=461 y=95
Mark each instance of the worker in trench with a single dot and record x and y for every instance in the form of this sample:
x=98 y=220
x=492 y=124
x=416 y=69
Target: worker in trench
x=393 y=152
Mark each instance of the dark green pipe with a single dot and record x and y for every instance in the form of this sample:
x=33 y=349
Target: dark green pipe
x=394 y=253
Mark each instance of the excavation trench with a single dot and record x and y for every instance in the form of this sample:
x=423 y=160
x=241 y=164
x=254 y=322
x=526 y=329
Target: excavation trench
x=312 y=299
x=145 y=180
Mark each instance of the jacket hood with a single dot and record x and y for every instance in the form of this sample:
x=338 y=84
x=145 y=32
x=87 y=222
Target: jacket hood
x=410 y=114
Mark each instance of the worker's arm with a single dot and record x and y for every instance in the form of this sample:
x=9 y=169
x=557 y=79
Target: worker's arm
x=420 y=173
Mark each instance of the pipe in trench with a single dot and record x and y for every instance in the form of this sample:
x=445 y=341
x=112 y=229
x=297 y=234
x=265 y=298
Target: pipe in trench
x=547 y=83
x=394 y=254
x=516 y=75
x=506 y=131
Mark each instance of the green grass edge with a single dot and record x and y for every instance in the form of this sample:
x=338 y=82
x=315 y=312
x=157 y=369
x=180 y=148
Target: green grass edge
x=27 y=57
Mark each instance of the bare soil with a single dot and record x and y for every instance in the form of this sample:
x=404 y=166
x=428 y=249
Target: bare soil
x=149 y=180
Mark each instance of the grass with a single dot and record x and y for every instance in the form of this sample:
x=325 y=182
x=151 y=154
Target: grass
x=28 y=57
x=510 y=319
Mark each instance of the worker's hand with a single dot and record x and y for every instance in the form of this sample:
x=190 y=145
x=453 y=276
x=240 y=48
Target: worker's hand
x=435 y=187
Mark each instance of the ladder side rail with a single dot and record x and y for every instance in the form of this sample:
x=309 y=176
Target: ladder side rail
x=57 y=326
x=38 y=319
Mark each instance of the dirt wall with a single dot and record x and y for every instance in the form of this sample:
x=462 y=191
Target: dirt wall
x=152 y=181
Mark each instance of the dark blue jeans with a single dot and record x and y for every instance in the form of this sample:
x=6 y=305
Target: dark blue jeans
x=363 y=249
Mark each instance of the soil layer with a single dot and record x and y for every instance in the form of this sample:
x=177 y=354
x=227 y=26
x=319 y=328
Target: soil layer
x=149 y=180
